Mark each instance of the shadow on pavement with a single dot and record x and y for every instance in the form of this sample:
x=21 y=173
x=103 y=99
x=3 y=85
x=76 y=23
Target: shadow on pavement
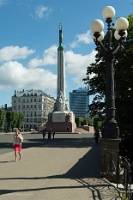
x=56 y=143
x=60 y=143
x=87 y=167
x=36 y=140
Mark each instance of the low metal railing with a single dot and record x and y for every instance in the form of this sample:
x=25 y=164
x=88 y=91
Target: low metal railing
x=118 y=169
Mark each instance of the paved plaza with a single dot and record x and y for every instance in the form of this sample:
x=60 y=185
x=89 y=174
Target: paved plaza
x=66 y=168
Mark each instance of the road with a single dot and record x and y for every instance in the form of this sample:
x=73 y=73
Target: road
x=34 y=140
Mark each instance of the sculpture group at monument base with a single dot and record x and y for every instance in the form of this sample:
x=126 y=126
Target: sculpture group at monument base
x=61 y=121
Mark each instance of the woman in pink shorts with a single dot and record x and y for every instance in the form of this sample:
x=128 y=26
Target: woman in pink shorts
x=17 y=144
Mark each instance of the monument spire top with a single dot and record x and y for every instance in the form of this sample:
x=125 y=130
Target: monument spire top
x=60 y=35
x=60 y=26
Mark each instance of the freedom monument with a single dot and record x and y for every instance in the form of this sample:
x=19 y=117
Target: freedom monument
x=61 y=119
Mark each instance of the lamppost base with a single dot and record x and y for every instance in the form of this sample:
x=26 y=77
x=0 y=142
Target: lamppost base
x=109 y=156
x=110 y=130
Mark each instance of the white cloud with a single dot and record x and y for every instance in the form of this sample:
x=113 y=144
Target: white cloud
x=49 y=58
x=3 y=2
x=82 y=38
x=76 y=64
x=14 y=52
x=14 y=75
x=43 y=11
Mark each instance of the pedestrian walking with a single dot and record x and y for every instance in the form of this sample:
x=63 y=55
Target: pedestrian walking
x=96 y=134
x=44 y=133
x=49 y=133
x=17 y=144
x=68 y=129
x=53 y=133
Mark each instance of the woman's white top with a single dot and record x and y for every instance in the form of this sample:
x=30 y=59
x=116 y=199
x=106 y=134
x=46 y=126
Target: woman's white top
x=18 y=139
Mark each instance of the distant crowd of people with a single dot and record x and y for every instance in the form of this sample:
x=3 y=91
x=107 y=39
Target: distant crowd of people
x=50 y=133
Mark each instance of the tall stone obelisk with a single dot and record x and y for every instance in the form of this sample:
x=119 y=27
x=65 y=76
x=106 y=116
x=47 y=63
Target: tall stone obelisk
x=60 y=65
x=61 y=118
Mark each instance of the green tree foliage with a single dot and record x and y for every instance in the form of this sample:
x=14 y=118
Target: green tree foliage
x=2 y=118
x=78 y=121
x=9 y=119
x=14 y=120
x=20 y=120
x=123 y=75
x=81 y=121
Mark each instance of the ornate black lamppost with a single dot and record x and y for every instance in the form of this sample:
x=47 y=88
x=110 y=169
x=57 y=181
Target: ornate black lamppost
x=110 y=128
x=110 y=132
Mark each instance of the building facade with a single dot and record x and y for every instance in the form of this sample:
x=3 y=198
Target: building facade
x=79 y=102
x=35 y=105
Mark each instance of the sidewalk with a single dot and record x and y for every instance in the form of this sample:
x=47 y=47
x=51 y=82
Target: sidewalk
x=56 y=171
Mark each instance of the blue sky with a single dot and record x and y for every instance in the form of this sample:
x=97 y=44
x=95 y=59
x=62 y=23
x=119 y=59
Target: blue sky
x=29 y=41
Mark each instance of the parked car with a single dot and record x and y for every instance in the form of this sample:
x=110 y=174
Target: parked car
x=34 y=131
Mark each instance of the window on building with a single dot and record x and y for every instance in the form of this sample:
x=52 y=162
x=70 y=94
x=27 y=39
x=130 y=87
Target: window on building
x=27 y=114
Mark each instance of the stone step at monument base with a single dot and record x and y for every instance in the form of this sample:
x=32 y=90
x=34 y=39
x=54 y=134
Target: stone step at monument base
x=67 y=133
x=61 y=127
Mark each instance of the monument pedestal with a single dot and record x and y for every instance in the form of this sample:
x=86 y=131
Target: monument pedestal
x=59 y=121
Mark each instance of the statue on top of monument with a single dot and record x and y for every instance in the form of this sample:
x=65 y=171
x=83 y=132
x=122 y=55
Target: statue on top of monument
x=60 y=36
